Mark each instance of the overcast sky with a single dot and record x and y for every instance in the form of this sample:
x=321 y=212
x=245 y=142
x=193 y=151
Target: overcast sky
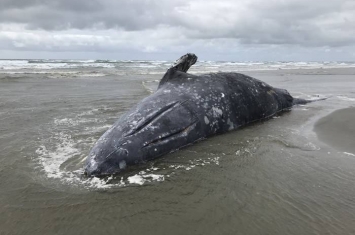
x=237 y=30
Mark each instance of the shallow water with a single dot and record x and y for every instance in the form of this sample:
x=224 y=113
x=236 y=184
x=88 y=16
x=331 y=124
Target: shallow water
x=273 y=177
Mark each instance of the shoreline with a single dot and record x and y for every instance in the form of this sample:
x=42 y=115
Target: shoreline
x=109 y=71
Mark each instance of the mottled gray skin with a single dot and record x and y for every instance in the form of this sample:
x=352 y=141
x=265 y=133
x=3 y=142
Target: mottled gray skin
x=184 y=109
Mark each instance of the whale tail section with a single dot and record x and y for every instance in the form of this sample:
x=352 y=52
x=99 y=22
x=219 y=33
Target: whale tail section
x=298 y=101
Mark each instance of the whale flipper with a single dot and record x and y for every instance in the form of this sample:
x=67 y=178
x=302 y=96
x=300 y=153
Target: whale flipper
x=181 y=65
x=185 y=62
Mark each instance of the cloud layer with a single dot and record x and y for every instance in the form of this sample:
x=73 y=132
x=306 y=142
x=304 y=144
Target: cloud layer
x=152 y=26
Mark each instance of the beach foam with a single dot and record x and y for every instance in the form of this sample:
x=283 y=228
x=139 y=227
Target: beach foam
x=62 y=157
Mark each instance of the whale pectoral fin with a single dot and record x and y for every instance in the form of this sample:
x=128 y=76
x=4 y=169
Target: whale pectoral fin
x=185 y=62
x=181 y=65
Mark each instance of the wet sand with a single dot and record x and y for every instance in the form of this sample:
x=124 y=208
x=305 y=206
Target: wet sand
x=338 y=129
x=274 y=177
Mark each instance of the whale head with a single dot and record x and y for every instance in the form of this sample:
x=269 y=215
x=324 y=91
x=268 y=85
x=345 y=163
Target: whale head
x=140 y=136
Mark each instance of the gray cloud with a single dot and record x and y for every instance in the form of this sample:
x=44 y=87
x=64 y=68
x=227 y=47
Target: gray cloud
x=158 y=26
x=82 y=14
x=307 y=23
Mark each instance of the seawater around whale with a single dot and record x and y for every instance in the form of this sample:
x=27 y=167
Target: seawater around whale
x=184 y=109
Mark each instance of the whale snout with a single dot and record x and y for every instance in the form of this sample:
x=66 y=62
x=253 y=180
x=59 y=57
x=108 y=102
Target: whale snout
x=101 y=163
x=92 y=168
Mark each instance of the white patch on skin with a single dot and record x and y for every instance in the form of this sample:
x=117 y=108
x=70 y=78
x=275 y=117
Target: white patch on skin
x=222 y=95
x=231 y=124
x=93 y=163
x=153 y=127
x=122 y=164
x=207 y=121
x=217 y=112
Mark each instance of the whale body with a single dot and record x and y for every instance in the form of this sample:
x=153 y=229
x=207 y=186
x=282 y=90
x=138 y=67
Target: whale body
x=184 y=109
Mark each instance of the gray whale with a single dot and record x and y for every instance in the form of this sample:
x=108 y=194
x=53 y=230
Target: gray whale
x=184 y=109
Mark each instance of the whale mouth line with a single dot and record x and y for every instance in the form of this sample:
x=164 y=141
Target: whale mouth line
x=179 y=133
x=100 y=175
x=153 y=116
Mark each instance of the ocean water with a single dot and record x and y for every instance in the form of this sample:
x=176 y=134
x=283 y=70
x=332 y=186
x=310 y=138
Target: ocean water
x=135 y=67
x=273 y=177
